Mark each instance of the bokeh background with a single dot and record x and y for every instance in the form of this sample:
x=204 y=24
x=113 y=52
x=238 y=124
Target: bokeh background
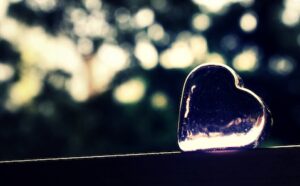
x=91 y=77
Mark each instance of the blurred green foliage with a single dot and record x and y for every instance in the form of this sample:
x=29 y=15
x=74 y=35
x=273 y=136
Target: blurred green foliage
x=52 y=123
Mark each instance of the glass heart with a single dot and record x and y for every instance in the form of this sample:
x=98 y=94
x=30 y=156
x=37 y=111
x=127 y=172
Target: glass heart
x=217 y=112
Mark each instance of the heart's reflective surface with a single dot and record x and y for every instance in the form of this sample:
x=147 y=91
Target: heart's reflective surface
x=217 y=112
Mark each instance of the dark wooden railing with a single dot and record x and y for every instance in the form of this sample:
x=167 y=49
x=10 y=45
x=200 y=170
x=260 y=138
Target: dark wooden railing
x=272 y=166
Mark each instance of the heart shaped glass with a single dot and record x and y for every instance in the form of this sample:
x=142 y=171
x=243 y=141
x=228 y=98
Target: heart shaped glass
x=218 y=112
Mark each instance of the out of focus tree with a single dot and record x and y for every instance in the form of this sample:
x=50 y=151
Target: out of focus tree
x=96 y=77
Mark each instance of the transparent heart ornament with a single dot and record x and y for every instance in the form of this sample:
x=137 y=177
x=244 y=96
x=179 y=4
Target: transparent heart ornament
x=217 y=112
